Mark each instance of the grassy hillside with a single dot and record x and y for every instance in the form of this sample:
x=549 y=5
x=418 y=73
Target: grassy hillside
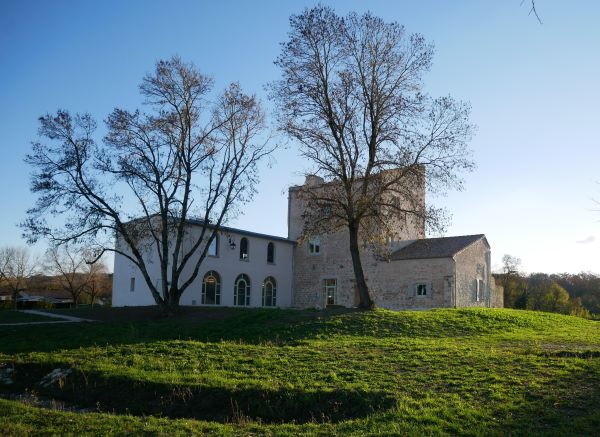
x=469 y=372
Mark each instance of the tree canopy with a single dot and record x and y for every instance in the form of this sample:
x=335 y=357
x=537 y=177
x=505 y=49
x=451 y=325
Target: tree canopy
x=192 y=155
x=351 y=97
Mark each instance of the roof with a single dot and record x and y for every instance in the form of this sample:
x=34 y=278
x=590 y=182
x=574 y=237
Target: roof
x=199 y=222
x=445 y=247
x=244 y=232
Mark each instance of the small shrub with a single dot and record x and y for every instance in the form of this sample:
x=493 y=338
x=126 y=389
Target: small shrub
x=42 y=305
x=7 y=305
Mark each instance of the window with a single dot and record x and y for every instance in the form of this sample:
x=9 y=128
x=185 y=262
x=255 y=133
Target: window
x=479 y=290
x=132 y=285
x=314 y=246
x=329 y=290
x=270 y=253
x=244 y=249
x=241 y=290
x=211 y=288
x=213 y=248
x=269 y=292
x=421 y=290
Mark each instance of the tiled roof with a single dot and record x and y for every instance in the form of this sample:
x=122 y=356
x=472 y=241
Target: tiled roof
x=445 y=247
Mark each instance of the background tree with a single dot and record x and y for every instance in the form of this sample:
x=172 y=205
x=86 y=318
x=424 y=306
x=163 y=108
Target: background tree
x=68 y=265
x=97 y=282
x=515 y=290
x=186 y=158
x=351 y=97
x=17 y=266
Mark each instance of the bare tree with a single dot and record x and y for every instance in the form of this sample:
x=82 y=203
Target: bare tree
x=533 y=10
x=514 y=288
x=350 y=95
x=16 y=267
x=188 y=158
x=68 y=265
x=511 y=264
x=97 y=281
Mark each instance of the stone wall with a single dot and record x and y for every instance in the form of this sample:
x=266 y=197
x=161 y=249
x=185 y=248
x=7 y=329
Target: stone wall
x=334 y=261
x=497 y=299
x=473 y=264
x=393 y=283
x=451 y=282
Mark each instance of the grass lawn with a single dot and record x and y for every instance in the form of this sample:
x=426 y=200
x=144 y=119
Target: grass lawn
x=11 y=316
x=285 y=372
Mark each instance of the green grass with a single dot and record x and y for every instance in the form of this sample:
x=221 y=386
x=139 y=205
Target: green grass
x=11 y=316
x=285 y=372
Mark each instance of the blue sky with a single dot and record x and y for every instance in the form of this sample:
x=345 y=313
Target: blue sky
x=534 y=91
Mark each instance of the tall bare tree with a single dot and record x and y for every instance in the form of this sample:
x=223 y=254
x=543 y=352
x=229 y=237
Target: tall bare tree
x=16 y=267
x=187 y=158
x=351 y=97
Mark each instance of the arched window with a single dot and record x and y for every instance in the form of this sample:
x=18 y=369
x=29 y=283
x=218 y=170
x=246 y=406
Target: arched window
x=211 y=288
x=270 y=253
x=241 y=290
x=269 y=292
x=244 y=249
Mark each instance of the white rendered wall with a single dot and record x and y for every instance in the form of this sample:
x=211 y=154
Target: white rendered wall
x=227 y=264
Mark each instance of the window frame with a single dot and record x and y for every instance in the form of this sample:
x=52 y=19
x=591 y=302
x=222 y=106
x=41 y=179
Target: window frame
x=242 y=277
x=423 y=285
x=273 y=301
x=217 y=292
x=270 y=252
x=314 y=246
x=479 y=287
x=214 y=242
x=328 y=286
x=244 y=256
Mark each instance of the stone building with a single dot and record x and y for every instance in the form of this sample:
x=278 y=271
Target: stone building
x=418 y=272
x=251 y=269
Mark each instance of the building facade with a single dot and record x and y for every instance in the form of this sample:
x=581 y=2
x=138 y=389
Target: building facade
x=315 y=271
x=241 y=269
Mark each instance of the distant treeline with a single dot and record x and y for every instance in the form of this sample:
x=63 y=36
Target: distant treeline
x=576 y=294
x=53 y=286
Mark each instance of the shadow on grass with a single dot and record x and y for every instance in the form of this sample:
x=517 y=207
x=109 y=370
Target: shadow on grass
x=125 y=396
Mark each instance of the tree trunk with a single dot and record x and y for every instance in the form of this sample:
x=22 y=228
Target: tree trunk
x=170 y=304
x=363 y=290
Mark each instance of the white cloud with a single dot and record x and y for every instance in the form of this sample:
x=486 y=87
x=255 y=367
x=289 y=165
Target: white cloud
x=587 y=240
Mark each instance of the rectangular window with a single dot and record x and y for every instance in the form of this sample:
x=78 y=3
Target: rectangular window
x=329 y=290
x=314 y=246
x=213 y=248
x=244 y=249
x=132 y=285
x=479 y=291
x=421 y=290
x=271 y=253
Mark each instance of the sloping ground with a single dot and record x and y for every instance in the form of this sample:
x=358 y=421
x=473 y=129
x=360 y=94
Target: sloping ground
x=11 y=316
x=259 y=372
